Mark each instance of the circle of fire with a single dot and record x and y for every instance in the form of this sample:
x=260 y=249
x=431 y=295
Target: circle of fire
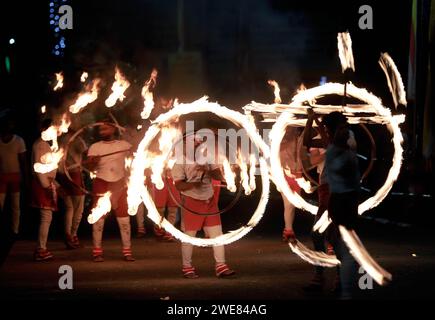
x=137 y=191
x=384 y=116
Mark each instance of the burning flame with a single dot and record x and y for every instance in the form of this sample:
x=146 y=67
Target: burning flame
x=103 y=207
x=43 y=109
x=229 y=176
x=59 y=79
x=92 y=175
x=148 y=95
x=85 y=98
x=345 y=51
x=137 y=192
x=276 y=90
x=361 y=255
x=84 y=76
x=252 y=171
x=54 y=131
x=49 y=162
x=244 y=173
x=166 y=141
x=394 y=79
x=118 y=88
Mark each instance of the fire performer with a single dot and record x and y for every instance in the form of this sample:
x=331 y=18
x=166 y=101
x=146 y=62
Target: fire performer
x=326 y=127
x=107 y=159
x=72 y=195
x=194 y=181
x=13 y=168
x=343 y=178
x=44 y=194
x=293 y=170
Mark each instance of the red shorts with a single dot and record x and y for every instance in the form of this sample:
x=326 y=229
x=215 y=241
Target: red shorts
x=216 y=190
x=195 y=222
x=69 y=187
x=163 y=199
x=292 y=183
x=10 y=182
x=42 y=198
x=118 y=198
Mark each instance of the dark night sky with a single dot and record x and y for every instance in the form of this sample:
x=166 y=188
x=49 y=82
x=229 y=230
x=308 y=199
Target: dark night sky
x=233 y=47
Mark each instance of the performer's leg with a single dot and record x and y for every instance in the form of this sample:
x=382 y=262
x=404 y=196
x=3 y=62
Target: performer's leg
x=222 y=269
x=44 y=227
x=97 y=239
x=78 y=205
x=172 y=215
x=69 y=212
x=140 y=219
x=124 y=224
x=289 y=216
x=15 y=207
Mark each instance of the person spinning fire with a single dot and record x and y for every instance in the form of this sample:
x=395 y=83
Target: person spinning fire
x=107 y=159
x=194 y=181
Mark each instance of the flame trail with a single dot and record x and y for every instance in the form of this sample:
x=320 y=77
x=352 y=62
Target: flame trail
x=59 y=79
x=118 y=88
x=394 y=79
x=252 y=171
x=103 y=207
x=43 y=109
x=49 y=161
x=276 y=90
x=229 y=176
x=361 y=255
x=345 y=53
x=84 y=76
x=84 y=98
x=148 y=95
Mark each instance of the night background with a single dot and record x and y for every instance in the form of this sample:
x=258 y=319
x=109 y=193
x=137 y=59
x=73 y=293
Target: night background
x=228 y=50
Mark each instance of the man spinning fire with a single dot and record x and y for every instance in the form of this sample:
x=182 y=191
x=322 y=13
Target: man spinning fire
x=107 y=159
x=194 y=181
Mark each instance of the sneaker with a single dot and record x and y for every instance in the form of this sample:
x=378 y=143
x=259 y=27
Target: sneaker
x=98 y=258
x=69 y=242
x=168 y=237
x=128 y=255
x=140 y=234
x=42 y=255
x=222 y=271
x=97 y=253
x=189 y=273
x=159 y=232
x=288 y=235
x=76 y=242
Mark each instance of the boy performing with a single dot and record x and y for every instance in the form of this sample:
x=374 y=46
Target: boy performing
x=44 y=194
x=194 y=181
x=107 y=159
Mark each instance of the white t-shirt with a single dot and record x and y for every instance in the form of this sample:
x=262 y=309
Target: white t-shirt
x=110 y=168
x=40 y=148
x=190 y=173
x=9 y=154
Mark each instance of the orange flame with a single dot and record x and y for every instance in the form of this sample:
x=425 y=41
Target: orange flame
x=148 y=95
x=276 y=90
x=86 y=97
x=84 y=76
x=59 y=83
x=103 y=207
x=49 y=162
x=118 y=88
